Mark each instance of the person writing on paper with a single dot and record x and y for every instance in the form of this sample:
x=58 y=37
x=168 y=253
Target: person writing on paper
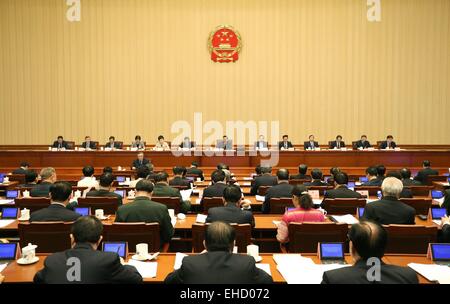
x=224 y=143
x=338 y=143
x=390 y=210
x=363 y=143
x=138 y=143
x=218 y=265
x=389 y=143
x=231 y=211
x=112 y=144
x=161 y=144
x=89 y=179
x=88 y=144
x=282 y=190
x=368 y=241
x=143 y=209
x=105 y=188
x=311 y=144
x=179 y=173
x=162 y=189
x=60 y=143
x=60 y=194
x=285 y=144
x=96 y=267
x=261 y=144
x=48 y=177
x=303 y=211
x=142 y=173
x=140 y=161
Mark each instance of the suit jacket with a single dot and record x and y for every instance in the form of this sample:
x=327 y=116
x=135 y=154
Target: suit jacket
x=139 y=145
x=446 y=234
x=265 y=144
x=218 y=267
x=54 y=213
x=97 y=267
x=41 y=190
x=281 y=145
x=364 y=145
x=300 y=176
x=333 y=144
x=215 y=190
x=376 y=182
x=104 y=193
x=390 y=210
x=64 y=145
x=228 y=145
x=179 y=181
x=263 y=180
x=357 y=274
x=230 y=214
x=342 y=192
x=144 y=210
x=446 y=203
x=316 y=182
x=410 y=182
x=281 y=190
x=307 y=145
x=384 y=145
x=116 y=145
x=195 y=171
x=136 y=164
x=191 y=145
x=423 y=174
x=19 y=171
x=406 y=193
x=92 y=145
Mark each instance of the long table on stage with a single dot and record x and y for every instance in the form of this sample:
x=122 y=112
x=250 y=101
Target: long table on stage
x=323 y=158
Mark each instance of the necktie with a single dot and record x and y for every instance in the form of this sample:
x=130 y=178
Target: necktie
x=285 y=145
x=312 y=145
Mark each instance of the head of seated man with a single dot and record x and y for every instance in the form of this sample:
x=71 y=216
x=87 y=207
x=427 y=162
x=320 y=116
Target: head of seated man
x=179 y=171
x=144 y=188
x=31 y=177
x=219 y=236
x=316 y=174
x=88 y=171
x=266 y=170
x=106 y=181
x=143 y=172
x=218 y=176
x=371 y=173
x=392 y=187
x=60 y=192
x=283 y=175
x=162 y=178
x=48 y=175
x=340 y=179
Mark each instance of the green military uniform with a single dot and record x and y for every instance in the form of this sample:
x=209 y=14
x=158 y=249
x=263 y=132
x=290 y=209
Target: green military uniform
x=162 y=189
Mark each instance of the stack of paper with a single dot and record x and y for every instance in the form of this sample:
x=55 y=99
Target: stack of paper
x=265 y=267
x=260 y=198
x=3 y=266
x=4 y=223
x=345 y=219
x=179 y=260
x=6 y=201
x=186 y=194
x=291 y=259
x=432 y=272
x=440 y=201
x=146 y=269
x=317 y=201
x=201 y=218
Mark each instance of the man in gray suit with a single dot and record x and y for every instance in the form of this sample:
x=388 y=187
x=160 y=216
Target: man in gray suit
x=224 y=143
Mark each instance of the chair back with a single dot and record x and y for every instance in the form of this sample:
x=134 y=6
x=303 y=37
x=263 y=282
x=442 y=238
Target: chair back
x=421 y=205
x=211 y=202
x=108 y=204
x=262 y=190
x=32 y=203
x=170 y=202
x=49 y=237
x=410 y=239
x=342 y=206
x=279 y=205
x=243 y=236
x=134 y=233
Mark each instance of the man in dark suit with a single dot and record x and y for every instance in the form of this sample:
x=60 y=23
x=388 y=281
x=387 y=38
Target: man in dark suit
x=31 y=179
x=194 y=170
x=261 y=143
x=333 y=172
x=88 y=144
x=406 y=192
x=219 y=184
x=302 y=169
x=231 y=212
x=282 y=190
x=422 y=175
x=389 y=143
x=143 y=209
x=23 y=168
x=219 y=265
x=140 y=161
x=95 y=266
x=285 y=144
x=389 y=210
x=368 y=241
x=406 y=178
x=363 y=143
x=338 y=143
x=112 y=144
x=162 y=189
x=266 y=179
x=179 y=173
x=48 y=177
x=187 y=143
x=445 y=226
x=60 y=193
x=224 y=143
x=341 y=190
x=105 y=187
x=373 y=179
x=60 y=143
x=316 y=175
x=311 y=144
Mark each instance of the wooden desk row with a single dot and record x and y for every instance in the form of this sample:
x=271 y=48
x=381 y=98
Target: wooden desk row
x=15 y=273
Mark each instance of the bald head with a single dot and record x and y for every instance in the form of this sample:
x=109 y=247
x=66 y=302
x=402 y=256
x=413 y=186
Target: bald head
x=392 y=186
x=283 y=175
x=219 y=236
x=368 y=239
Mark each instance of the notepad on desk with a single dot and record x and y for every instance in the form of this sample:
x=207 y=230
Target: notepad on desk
x=146 y=269
x=305 y=273
x=344 y=219
x=265 y=267
x=179 y=260
x=6 y=201
x=186 y=194
x=432 y=272
x=4 y=223
x=260 y=198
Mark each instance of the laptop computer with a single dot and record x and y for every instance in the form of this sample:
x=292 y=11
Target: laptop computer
x=8 y=251
x=363 y=179
x=437 y=194
x=12 y=194
x=332 y=253
x=121 y=248
x=351 y=185
x=360 y=212
x=2 y=177
x=122 y=193
x=438 y=213
x=440 y=253
x=120 y=179
x=9 y=213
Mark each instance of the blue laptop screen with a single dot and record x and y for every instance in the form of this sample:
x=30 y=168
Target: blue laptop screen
x=331 y=250
x=10 y=213
x=360 y=212
x=2 y=176
x=326 y=178
x=190 y=178
x=12 y=193
x=118 y=248
x=83 y=211
x=8 y=251
x=441 y=251
x=438 y=213
x=120 y=192
x=363 y=179
x=120 y=179
x=351 y=185
x=436 y=194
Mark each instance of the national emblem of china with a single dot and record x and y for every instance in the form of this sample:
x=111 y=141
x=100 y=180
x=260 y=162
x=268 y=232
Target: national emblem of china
x=224 y=44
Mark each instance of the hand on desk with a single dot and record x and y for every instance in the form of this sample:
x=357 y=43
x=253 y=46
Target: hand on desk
x=246 y=204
